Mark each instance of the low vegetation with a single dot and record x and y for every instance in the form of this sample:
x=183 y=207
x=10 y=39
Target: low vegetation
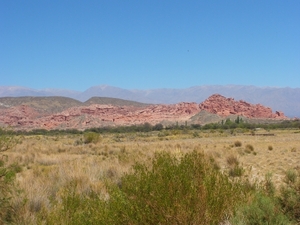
x=238 y=125
x=187 y=190
x=7 y=178
x=91 y=137
x=237 y=144
x=179 y=175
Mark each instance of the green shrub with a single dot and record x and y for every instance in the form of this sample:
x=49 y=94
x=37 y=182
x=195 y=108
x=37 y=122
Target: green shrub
x=261 y=210
x=268 y=185
x=91 y=137
x=158 y=127
x=75 y=208
x=188 y=190
x=289 y=197
x=178 y=191
x=291 y=176
x=7 y=177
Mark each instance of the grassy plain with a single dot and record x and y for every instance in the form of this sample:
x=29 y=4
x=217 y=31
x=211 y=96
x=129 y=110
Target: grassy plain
x=48 y=164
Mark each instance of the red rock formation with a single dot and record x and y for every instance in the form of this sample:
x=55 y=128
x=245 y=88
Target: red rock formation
x=18 y=116
x=25 y=117
x=223 y=106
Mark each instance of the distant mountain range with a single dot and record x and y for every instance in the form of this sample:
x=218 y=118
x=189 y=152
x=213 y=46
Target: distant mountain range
x=286 y=99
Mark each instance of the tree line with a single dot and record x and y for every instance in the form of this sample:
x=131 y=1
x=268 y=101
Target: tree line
x=147 y=127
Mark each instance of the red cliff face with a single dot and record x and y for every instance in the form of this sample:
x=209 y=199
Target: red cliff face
x=223 y=106
x=18 y=116
x=82 y=117
x=101 y=115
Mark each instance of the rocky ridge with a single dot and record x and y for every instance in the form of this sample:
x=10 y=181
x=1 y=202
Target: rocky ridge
x=218 y=104
x=97 y=115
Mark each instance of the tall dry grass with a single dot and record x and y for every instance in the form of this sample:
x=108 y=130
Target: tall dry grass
x=50 y=163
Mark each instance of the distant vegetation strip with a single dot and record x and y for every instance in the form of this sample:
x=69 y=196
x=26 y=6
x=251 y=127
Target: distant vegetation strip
x=147 y=127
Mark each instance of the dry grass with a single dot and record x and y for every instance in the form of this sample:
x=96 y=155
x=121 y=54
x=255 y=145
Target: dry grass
x=232 y=160
x=49 y=164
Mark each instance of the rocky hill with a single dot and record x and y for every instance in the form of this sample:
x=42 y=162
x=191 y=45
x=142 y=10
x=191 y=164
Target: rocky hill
x=44 y=105
x=113 y=101
x=41 y=113
x=218 y=104
x=284 y=99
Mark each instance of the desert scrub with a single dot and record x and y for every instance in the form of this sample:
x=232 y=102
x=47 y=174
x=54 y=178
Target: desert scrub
x=249 y=148
x=74 y=208
x=261 y=209
x=195 y=134
x=172 y=190
x=235 y=170
x=232 y=160
x=268 y=186
x=290 y=194
x=237 y=144
x=291 y=176
x=91 y=137
x=8 y=140
x=7 y=177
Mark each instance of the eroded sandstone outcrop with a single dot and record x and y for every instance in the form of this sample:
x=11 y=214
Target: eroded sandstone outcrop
x=223 y=106
x=97 y=115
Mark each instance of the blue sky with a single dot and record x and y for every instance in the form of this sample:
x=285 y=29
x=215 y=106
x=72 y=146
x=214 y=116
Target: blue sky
x=149 y=44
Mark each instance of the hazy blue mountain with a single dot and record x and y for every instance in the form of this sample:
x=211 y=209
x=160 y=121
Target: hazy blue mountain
x=279 y=99
x=17 y=91
x=106 y=91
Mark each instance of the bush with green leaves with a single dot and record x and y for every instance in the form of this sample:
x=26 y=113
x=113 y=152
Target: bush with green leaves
x=177 y=191
x=187 y=190
x=75 y=208
x=7 y=176
x=266 y=206
x=289 y=197
x=261 y=210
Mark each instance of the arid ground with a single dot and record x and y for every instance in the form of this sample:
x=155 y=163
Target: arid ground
x=48 y=163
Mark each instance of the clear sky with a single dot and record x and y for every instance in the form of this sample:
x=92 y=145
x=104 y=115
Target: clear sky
x=147 y=44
